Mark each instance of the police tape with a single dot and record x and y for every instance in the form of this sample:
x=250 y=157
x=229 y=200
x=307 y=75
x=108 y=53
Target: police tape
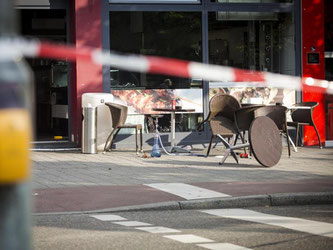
x=14 y=47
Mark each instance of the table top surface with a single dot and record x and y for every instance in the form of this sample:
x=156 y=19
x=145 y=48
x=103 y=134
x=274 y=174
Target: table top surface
x=173 y=110
x=265 y=141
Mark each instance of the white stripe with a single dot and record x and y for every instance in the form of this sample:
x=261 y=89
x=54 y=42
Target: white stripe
x=158 y=230
x=132 y=223
x=302 y=225
x=13 y=48
x=211 y=72
x=186 y=191
x=187 y=238
x=108 y=217
x=222 y=246
x=329 y=90
x=283 y=81
x=129 y=62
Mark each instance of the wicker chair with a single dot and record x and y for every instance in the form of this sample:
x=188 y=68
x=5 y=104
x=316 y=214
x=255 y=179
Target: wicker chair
x=278 y=115
x=303 y=116
x=119 y=115
x=221 y=117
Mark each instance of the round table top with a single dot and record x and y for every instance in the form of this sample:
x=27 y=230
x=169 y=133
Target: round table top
x=173 y=110
x=265 y=141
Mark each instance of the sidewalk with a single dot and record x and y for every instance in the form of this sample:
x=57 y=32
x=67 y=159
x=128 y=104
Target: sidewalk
x=70 y=181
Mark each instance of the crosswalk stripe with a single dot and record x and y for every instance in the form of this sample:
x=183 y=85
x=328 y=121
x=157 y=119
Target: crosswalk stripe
x=222 y=246
x=158 y=230
x=302 y=225
x=187 y=238
x=132 y=223
x=108 y=217
x=186 y=191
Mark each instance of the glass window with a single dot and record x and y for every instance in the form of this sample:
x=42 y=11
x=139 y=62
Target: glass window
x=252 y=1
x=254 y=41
x=166 y=34
x=155 y=1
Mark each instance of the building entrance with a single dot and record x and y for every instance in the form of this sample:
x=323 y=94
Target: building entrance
x=51 y=78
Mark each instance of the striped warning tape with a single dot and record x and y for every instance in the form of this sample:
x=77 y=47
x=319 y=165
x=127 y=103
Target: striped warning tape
x=159 y=65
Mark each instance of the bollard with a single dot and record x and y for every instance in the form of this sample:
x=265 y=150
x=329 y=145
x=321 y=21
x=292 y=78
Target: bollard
x=89 y=130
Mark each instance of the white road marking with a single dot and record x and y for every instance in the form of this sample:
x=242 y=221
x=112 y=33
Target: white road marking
x=132 y=223
x=108 y=217
x=186 y=191
x=302 y=225
x=158 y=230
x=187 y=238
x=222 y=246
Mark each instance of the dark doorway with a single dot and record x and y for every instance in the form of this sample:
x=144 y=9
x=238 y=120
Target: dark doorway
x=51 y=78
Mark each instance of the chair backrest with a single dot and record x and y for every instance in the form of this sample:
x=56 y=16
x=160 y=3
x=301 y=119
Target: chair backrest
x=224 y=105
x=118 y=114
x=304 y=115
x=276 y=113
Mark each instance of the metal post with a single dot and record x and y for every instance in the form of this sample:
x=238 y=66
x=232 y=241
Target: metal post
x=15 y=133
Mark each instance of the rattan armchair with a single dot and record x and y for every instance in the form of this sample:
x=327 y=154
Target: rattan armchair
x=302 y=115
x=221 y=117
x=118 y=117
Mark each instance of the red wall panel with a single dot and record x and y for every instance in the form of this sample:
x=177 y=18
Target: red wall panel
x=313 y=36
x=85 y=30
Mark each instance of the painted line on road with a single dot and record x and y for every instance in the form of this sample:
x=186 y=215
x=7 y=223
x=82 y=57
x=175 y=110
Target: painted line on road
x=158 y=230
x=108 y=217
x=186 y=191
x=297 y=224
x=188 y=238
x=132 y=223
x=222 y=246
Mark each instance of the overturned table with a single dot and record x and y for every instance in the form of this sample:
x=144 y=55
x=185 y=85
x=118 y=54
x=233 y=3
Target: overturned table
x=264 y=140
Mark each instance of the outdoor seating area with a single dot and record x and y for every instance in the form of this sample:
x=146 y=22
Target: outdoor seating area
x=228 y=120
x=259 y=128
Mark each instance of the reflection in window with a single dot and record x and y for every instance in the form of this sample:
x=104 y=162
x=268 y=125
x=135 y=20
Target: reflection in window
x=165 y=34
x=254 y=41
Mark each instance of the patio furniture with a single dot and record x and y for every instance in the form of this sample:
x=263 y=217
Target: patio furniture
x=118 y=117
x=221 y=117
x=173 y=149
x=278 y=114
x=302 y=115
x=265 y=141
x=244 y=117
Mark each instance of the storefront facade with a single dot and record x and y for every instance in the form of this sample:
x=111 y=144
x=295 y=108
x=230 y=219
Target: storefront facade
x=263 y=35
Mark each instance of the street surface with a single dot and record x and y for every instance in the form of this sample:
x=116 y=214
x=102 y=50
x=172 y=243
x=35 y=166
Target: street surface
x=292 y=227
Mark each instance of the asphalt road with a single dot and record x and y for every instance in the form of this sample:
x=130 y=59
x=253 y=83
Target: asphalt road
x=293 y=227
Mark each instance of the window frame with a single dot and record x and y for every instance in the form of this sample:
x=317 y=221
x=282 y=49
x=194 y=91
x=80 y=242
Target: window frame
x=204 y=6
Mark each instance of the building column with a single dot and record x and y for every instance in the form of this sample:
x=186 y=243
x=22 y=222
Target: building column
x=313 y=41
x=85 y=30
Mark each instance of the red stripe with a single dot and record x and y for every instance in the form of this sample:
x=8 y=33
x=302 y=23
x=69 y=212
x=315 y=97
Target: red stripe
x=64 y=52
x=167 y=66
x=248 y=76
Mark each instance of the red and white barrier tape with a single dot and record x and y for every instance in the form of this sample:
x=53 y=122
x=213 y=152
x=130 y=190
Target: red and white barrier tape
x=158 y=65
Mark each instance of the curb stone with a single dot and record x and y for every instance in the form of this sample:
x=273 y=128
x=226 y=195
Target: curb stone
x=283 y=199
